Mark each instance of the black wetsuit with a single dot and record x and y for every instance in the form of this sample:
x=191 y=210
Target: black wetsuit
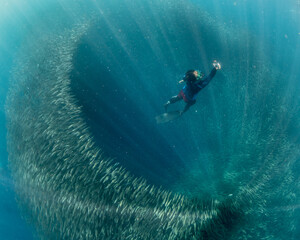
x=191 y=89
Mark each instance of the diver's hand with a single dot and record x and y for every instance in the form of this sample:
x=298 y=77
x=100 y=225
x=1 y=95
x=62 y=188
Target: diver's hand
x=216 y=65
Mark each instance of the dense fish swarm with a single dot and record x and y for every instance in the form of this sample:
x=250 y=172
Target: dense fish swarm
x=62 y=180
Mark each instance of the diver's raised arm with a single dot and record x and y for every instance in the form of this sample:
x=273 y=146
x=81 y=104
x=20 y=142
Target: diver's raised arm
x=216 y=65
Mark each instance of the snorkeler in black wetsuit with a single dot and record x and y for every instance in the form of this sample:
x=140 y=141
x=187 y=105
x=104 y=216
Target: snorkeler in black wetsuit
x=194 y=83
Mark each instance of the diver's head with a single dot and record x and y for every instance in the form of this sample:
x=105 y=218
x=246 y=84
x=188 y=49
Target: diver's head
x=193 y=75
x=190 y=76
x=198 y=74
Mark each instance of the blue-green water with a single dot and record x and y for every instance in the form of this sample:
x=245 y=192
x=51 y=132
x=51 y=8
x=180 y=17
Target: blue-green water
x=87 y=75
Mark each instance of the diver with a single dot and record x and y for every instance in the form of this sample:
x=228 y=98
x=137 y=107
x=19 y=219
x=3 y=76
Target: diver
x=195 y=81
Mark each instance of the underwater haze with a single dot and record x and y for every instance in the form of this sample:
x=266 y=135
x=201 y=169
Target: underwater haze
x=81 y=155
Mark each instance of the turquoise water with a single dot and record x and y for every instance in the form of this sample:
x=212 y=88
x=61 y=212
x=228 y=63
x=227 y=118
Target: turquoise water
x=81 y=76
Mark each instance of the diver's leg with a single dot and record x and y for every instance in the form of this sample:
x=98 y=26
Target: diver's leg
x=172 y=100
x=187 y=106
x=175 y=99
